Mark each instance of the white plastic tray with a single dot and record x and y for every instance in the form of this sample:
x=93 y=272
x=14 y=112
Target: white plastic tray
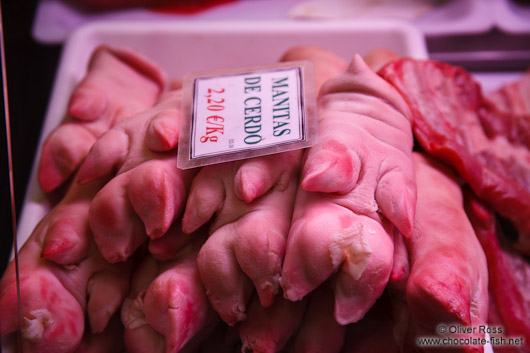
x=181 y=47
x=457 y=17
x=512 y=17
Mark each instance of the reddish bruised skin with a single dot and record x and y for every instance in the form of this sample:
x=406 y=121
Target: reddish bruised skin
x=252 y=202
x=267 y=330
x=119 y=83
x=509 y=274
x=55 y=295
x=141 y=151
x=319 y=331
x=448 y=280
x=357 y=184
x=169 y=301
x=453 y=121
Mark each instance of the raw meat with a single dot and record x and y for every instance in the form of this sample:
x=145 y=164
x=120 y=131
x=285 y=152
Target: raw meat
x=70 y=279
x=119 y=83
x=376 y=59
x=167 y=304
x=514 y=97
x=512 y=101
x=267 y=330
x=509 y=277
x=327 y=64
x=252 y=202
x=401 y=266
x=357 y=184
x=246 y=239
x=447 y=109
x=141 y=152
x=448 y=281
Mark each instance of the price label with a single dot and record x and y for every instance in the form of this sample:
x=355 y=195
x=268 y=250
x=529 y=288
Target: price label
x=244 y=113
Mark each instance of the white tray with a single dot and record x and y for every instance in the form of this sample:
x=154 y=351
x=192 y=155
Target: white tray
x=511 y=17
x=181 y=47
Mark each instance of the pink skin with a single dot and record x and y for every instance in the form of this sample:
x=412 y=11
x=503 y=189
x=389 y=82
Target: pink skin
x=357 y=184
x=401 y=266
x=166 y=247
x=243 y=240
x=141 y=152
x=378 y=58
x=168 y=303
x=327 y=63
x=59 y=287
x=119 y=83
x=252 y=202
x=267 y=330
x=139 y=336
x=448 y=280
x=319 y=331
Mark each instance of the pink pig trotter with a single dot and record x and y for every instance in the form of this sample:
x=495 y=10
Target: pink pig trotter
x=55 y=295
x=250 y=204
x=448 y=280
x=167 y=303
x=123 y=215
x=357 y=184
x=269 y=329
x=119 y=83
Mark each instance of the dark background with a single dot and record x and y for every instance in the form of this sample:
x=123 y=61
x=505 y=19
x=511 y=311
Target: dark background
x=30 y=73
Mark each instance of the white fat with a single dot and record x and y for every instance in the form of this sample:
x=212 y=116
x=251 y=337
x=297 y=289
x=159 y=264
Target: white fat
x=351 y=246
x=132 y=313
x=34 y=325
